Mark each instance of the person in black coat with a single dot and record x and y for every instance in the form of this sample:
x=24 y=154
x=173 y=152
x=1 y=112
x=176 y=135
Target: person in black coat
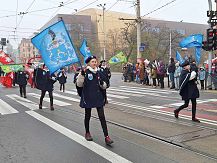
x=171 y=71
x=188 y=90
x=61 y=77
x=106 y=75
x=44 y=81
x=21 y=80
x=92 y=96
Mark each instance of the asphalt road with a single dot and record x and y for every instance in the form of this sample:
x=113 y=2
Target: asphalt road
x=140 y=121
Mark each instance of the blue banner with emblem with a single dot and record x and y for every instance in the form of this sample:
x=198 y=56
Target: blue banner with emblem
x=85 y=50
x=55 y=46
x=179 y=57
x=193 y=41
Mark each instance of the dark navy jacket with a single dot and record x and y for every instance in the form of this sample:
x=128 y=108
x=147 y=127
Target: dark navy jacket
x=92 y=94
x=188 y=88
x=43 y=80
x=61 y=77
x=105 y=75
x=21 y=78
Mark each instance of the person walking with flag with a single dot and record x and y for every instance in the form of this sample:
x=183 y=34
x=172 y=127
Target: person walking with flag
x=92 y=96
x=44 y=81
x=188 y=90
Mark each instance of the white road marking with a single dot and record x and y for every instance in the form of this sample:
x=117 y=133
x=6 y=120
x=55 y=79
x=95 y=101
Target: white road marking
x=66 y=97
x=6 y=108
x=70 y=98
x=122 y=93
x=23 y=101
x=137 y=92
x=103 y=152
x=157 y=107
x=56 y=102
x=116 y=96
x=156 y=90
x=71 y=92
x=108 y=94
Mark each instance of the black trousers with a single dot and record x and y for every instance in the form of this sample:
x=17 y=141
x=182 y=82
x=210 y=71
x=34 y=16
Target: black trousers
x=202 y=84
x=50 y=96
x=22 y=90
x=62 y=86
x=101 y=115
x=161 y=78
x=154 y=81
x=194 y=104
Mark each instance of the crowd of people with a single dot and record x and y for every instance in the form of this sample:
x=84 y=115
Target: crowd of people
x=154 y=73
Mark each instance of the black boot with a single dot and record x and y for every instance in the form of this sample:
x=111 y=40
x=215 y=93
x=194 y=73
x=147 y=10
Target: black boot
x=51 y=108
x=176 y=113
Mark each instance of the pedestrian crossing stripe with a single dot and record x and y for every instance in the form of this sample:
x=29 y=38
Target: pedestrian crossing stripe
x=5 y=108
x=108 y=94
x=23 y=101
x=137 y=92
x=148 y=89
x=56 y=102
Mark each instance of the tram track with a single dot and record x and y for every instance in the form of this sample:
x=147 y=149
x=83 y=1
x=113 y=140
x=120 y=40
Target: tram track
x=152 y=136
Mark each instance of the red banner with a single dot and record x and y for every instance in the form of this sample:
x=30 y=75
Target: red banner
x=5 y=59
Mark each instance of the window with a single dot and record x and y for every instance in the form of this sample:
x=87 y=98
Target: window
x=155 y=29
x=181 y=31
x=68 y=27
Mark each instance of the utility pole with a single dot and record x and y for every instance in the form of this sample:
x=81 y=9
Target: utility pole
x=138 y=21
x=138 y=29
x=170 y=52
x=104 y=32
x=209 y=79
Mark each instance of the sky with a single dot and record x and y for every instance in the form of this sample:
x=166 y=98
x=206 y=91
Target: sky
x=15 y=26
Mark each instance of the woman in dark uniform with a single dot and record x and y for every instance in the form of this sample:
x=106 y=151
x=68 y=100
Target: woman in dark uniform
x=92 y=96
x=21 y=80
x=106 y=74
x=61 y=77
x=188 y=90
x=44 y=81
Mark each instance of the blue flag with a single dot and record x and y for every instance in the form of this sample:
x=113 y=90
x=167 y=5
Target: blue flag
x=55 y=46
x=85 y=50
x=197 y=54
x=192 y=41
x=179 y=57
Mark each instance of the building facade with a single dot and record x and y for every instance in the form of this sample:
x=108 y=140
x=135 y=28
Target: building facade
x=89 y=24
x=114 y=22
x=26 y=50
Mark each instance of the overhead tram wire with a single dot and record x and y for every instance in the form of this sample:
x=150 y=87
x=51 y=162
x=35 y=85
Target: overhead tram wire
x=49 y=8
x=85 y=6
x=25 y=12
x=159 y=8
x=17 y=25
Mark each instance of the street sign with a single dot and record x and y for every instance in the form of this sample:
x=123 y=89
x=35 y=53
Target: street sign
x=141 y=48
x=211 y=14
x=3 y=41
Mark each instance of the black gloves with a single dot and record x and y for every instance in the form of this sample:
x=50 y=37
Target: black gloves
x=82 y=72
x=100 y=82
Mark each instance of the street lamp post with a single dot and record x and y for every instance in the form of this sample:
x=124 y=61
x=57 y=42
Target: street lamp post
x=104 y=32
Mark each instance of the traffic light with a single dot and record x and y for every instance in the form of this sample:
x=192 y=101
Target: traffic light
x=210 y=41
x=3 y=41
x=215 y=39
x=204 y=45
